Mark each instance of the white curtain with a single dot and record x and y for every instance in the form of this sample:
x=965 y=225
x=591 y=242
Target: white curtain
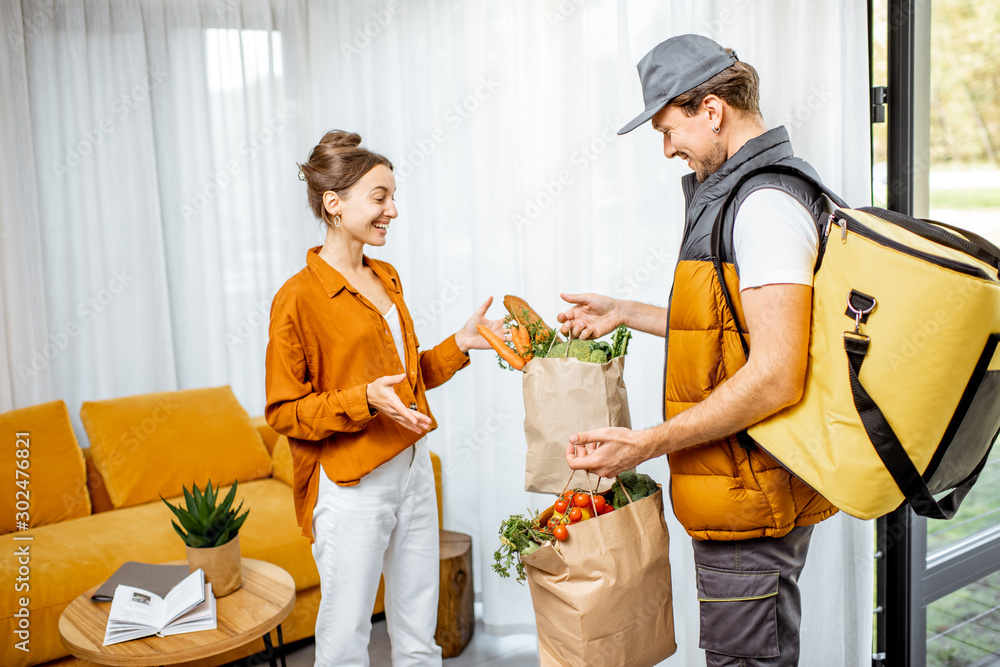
x=149 y=158
x=154 y=208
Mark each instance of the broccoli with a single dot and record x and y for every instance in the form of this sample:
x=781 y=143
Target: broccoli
x=594 y=351
x=604 y=347
x=598 y=357
x=580 y=349
x=638 y=485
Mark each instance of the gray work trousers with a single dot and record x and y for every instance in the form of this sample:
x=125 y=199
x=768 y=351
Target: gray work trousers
x=748 y=595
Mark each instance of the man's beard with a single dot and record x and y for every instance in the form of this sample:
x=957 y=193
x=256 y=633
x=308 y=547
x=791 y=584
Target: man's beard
x=715 y=159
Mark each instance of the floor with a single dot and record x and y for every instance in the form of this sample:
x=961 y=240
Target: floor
x=483 y=651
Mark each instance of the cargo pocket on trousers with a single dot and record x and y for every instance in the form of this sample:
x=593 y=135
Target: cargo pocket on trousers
x=739 y=612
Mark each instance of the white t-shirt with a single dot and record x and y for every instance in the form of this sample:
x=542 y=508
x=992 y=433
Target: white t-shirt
x=392 y=319
x=775 y=240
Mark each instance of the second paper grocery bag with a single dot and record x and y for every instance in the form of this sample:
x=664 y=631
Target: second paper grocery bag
x=563 y=396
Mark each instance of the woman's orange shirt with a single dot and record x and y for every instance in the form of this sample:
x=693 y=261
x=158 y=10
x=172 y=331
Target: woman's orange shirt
x=327 y=343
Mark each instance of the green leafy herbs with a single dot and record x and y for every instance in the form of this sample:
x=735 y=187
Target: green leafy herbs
x=207 y=523
x=619 y=341
x=638 y=485
x=519 y=536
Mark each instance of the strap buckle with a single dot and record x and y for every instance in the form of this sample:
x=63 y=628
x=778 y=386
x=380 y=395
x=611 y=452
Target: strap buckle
x=860 y=311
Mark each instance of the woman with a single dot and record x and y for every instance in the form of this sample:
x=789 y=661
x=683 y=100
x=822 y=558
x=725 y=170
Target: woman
x=346 y=384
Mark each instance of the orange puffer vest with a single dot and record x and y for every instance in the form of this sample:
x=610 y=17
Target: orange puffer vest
x=722 y=490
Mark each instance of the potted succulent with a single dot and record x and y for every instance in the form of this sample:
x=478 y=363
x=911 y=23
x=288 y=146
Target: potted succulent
x=212 y=535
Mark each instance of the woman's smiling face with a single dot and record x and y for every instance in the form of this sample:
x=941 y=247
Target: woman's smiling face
x=367 y=207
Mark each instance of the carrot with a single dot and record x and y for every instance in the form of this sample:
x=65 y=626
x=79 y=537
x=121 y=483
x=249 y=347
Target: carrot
x=496 y=342
x=522 y=342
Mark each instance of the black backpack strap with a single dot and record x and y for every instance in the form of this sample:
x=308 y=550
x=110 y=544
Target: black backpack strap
x=883 y=438
x=891 y=451
x=716 y=241
x=743 y=438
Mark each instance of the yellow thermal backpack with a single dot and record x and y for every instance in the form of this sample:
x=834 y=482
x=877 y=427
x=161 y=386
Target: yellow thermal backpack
x=902 y=394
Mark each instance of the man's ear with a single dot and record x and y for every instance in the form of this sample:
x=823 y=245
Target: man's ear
x=715 y=108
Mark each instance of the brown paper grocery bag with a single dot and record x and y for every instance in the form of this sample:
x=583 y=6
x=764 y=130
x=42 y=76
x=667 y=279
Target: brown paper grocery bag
x=563 y=397
x=603 y=597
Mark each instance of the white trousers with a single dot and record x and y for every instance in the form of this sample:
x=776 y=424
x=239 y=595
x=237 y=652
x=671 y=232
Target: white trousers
x=388 y=524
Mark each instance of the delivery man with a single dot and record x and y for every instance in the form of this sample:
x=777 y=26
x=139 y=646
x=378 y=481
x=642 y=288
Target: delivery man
x=750 y=519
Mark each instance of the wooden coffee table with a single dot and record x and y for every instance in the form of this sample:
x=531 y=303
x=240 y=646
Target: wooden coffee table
x=260 y=605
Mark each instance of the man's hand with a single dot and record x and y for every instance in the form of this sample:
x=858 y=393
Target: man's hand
x=593 y=315
x=773 y=378
x=607 y=451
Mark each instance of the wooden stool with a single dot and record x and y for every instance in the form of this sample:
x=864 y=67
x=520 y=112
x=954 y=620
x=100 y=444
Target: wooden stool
x=456 y=615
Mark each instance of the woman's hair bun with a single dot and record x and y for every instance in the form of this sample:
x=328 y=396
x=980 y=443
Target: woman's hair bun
x=341 y=139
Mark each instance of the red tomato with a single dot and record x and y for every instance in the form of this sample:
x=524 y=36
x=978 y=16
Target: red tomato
x=575 y=514
x=581 y=499
x=553 y=520
x=560 y=532
x=561 y=505
x=599 y=503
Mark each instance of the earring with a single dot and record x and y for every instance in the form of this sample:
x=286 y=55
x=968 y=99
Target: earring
x=715 y=129
x=336 y=220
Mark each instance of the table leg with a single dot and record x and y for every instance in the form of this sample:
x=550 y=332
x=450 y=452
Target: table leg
x=269 y=649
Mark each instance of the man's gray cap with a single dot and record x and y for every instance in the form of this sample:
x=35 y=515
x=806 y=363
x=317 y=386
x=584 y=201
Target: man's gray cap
x=674 y=67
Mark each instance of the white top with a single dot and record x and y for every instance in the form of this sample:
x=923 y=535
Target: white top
x=392 y=318
x=775 y=240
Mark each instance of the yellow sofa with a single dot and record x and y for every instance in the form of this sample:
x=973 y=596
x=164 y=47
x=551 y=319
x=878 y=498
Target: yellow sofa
x=91 y=510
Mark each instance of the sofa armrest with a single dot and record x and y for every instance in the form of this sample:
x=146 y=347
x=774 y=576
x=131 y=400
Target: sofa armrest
x=100 y=501
x=267 y=434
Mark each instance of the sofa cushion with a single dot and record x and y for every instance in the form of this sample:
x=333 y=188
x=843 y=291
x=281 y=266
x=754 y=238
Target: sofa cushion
x=152 y=445
x=54 y=479
x=102 y=542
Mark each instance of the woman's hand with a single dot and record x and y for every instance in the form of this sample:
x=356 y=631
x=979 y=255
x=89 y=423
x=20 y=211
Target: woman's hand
x=384 y=399
x=593 y=315
x=469 y=339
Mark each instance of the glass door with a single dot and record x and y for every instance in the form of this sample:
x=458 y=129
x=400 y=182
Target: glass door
x=938 y=156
